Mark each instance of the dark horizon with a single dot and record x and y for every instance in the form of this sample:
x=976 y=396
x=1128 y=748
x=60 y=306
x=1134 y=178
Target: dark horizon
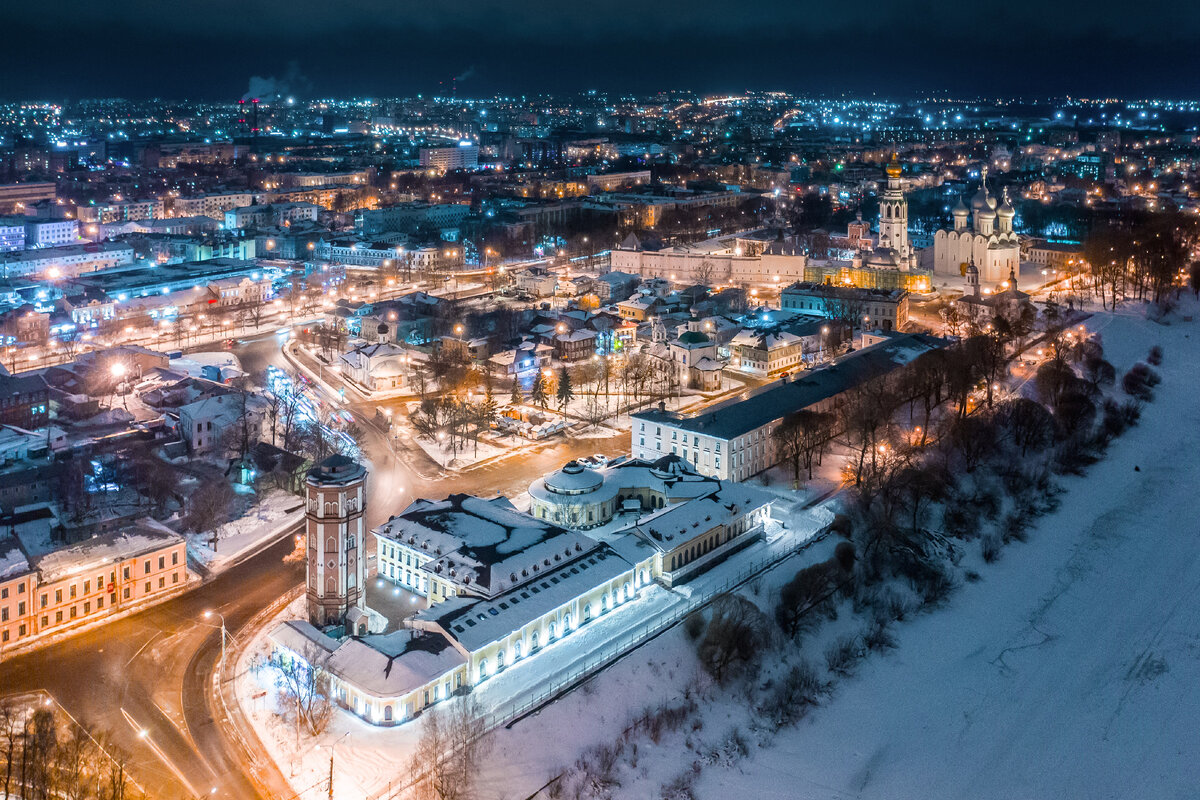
x=211 y=50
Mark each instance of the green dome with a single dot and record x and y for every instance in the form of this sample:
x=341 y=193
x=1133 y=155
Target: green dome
x=693 y=337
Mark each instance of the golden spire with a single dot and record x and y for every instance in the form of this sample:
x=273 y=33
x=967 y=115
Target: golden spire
x=893 y=168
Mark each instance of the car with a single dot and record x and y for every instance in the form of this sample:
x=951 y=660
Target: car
x=228 y=344
x=599 y=459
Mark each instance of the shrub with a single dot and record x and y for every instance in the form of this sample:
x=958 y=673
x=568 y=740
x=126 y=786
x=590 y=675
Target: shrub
x=989 y=547
x=1139 y=382
x=844 y=555
x=1013 y=527
x=933 y=583
x=841 y=525
x=1155 y=356
x=693 y=625
x=877 y=636
x=960 y=521
x=792 y=696
x=842 y=654
x=734 y=638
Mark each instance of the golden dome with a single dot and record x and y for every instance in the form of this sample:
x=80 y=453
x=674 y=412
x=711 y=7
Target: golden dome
x=893 y=168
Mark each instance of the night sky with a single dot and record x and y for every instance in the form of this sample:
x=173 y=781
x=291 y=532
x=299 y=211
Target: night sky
x=66 y=49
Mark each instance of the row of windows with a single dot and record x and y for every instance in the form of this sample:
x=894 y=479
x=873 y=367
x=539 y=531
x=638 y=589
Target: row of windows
x=78 y=609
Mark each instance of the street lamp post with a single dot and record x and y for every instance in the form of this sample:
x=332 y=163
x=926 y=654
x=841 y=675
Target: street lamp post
x=208 y=614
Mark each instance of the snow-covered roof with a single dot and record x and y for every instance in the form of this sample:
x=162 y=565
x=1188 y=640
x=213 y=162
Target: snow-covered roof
x=386 y=666
x=145 y=536
x=12 y=560
x=670 y=476
x=477 y=623
x=674 y=525
x=483 y=545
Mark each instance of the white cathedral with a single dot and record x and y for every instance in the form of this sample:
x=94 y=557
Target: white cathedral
x=982 y=234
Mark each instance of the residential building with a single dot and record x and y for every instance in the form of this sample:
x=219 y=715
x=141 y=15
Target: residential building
x=463 y=156
x=16 y=196
x=24 y=401
x=67 y=261
x=51 y=232
x=12 y=234
x=732 y=440
x=210 y=205
x=871 y=308
x=50 y=592
x=215 y=423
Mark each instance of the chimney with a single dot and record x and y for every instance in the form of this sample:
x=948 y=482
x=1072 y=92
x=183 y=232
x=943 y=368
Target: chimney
x=662 y=405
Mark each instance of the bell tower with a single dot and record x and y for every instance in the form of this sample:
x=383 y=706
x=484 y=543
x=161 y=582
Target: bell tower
x=336 y=572
x=893 y=213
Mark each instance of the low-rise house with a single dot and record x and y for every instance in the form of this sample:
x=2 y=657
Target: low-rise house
x=213 y=423
x=376 y=367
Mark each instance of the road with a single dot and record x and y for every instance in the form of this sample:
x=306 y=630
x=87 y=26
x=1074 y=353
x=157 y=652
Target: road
x=152 y=671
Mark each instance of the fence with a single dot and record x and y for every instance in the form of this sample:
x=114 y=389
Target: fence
x=620 y=647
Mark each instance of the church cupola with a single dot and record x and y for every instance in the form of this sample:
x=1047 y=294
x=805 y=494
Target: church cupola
x=1005 y=214
x=961 y=212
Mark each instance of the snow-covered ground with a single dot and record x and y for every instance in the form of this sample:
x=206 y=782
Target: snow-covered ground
x=193 y=364
x=1071 y=669
x=464 y=455
x=278 y=511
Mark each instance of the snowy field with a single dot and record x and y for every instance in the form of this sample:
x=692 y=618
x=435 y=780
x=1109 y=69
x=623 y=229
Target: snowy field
x=1071 y=669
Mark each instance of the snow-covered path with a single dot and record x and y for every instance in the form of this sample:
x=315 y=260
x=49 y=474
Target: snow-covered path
x=1071 y=670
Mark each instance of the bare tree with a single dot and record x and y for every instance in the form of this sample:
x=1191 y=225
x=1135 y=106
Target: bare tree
x=449 y=750
x=304 y=680
x=734 y=638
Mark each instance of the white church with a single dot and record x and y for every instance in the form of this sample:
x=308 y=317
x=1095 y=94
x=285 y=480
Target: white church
x=983 y=235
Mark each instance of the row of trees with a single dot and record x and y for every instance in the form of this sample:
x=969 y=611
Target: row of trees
x=44 y=761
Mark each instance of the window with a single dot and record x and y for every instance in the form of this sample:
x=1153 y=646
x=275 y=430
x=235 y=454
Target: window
x=174 y=558
x=147 y=569
x=147 y=587
x=58 y=616
x=162 y=562
x=21 y=609
x=58 y=595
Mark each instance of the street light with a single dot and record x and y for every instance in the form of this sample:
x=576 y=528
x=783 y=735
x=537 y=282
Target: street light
x=208 y=614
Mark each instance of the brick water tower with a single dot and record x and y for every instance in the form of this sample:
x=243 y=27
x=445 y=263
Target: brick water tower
x=336 y=563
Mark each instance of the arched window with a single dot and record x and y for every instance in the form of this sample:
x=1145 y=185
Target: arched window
x=587 y=612
x=566 y=624
x=499 y=659
x=551 y=637
x=517 y=650
x=483 y=666
x=533 y=641
x=387 y=713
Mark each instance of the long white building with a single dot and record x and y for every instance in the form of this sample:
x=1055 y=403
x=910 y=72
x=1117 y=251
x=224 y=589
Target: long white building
x=502 y=585
x=733 y=441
